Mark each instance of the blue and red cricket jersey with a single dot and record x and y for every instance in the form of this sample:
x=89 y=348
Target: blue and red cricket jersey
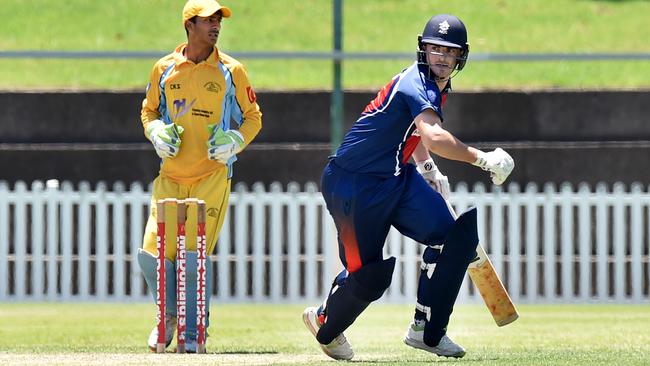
x=369 y=185
x=381 y=141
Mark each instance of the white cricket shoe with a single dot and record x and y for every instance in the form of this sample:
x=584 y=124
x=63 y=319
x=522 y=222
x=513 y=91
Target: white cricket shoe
x=170 y=329
x=415 y=338
x=339 y=348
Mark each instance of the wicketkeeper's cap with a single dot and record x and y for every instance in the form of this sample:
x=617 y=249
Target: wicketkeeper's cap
x=203 y=8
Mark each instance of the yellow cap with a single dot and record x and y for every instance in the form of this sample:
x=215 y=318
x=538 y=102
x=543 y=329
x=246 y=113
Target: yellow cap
x=203 y=8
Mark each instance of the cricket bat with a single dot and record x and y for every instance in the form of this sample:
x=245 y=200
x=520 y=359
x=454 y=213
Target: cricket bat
x=489 y=285
x=491 y=288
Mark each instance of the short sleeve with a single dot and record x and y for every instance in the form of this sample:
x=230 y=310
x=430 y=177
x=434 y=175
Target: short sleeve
x=419 y=96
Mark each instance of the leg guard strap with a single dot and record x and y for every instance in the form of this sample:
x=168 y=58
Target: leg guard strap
x=424 y=309
x=428 y=268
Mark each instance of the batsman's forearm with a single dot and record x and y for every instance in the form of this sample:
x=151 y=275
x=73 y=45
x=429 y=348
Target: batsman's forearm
x=420 y=153
x=440 y=142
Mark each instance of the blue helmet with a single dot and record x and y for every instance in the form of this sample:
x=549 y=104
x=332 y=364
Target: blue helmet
x=444 y=30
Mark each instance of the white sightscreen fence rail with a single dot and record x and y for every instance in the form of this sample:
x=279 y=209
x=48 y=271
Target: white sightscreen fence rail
x=572 y=244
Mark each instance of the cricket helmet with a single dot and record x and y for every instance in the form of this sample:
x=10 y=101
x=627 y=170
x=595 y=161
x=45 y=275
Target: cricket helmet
x=444 y=30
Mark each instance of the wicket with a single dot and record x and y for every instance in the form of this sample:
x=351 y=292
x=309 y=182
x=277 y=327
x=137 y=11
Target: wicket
x=181 y=254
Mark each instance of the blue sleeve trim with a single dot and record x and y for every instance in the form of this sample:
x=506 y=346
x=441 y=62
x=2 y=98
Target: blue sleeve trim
x=162 y=106
x=230 y=109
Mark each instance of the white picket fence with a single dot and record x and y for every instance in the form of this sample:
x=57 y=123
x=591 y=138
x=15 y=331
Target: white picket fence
x=566 y=245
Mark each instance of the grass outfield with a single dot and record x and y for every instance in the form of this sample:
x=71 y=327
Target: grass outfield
x=115 y=334
x=512 y=26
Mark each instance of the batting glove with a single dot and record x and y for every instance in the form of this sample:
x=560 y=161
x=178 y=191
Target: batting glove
x=434 y=177
x=498 y=162
x=166 y=138
x=223 y=145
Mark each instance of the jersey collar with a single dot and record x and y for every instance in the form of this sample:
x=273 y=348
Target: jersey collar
x=447 y=87
x=179 y=57
x=424 y=70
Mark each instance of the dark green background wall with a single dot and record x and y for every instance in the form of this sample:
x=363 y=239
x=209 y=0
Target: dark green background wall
x=554 y=136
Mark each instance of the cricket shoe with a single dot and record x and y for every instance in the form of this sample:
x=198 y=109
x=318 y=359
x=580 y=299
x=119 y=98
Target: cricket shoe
x=190 y=345
x=170 y=329
x=339 y=348
x=446 y=347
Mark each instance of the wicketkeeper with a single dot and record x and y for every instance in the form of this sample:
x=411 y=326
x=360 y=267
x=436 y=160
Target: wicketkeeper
x=194 y=94
x=369 y=186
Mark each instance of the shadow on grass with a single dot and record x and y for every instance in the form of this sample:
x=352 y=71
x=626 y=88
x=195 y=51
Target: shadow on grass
x=245 y=353
x=413 y=362
x=424 y=361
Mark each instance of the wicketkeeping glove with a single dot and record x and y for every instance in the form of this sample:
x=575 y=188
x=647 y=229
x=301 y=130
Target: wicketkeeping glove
x=222 y=145
x=498 y=162
x=434 y=177
x=166 y=138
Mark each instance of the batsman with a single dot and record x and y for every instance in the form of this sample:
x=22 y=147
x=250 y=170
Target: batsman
x=199 y=112
x=370 y=185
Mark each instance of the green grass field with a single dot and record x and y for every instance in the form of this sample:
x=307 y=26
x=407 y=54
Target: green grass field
x=115 y=334
x=511 y=26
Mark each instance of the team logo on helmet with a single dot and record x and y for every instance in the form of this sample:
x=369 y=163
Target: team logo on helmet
x=443 y=27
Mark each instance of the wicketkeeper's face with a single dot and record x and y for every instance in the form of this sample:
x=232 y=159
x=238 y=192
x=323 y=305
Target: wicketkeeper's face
x=206 y=28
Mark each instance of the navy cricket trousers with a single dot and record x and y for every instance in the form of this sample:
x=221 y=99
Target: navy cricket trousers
x=364 y=207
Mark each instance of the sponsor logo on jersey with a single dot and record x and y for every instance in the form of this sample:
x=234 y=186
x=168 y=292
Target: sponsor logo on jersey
x=251 y=94
x=432 y=96
x=174 y=86
x=201 y=113
x=213 y=212
x=181 y=107
x=213 y=87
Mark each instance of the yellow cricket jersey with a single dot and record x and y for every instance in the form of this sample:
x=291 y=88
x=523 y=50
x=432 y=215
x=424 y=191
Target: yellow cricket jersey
x=194 y=96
